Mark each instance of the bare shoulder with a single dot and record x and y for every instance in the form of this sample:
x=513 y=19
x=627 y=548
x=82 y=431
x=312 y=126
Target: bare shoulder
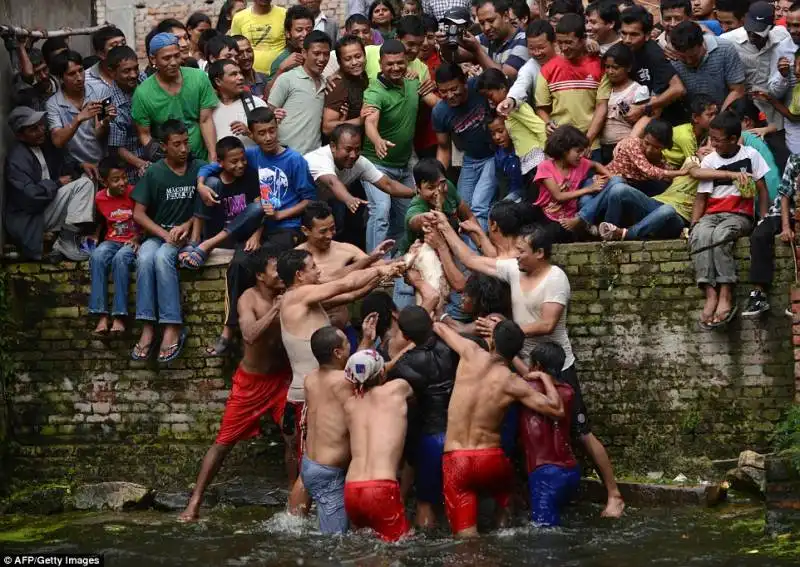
x=348 y=250
x=398 y=387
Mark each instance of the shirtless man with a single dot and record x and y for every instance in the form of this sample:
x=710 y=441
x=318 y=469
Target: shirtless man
x=485 y=387
x=327 y=449
x=261 y=382
x=376 y=418
x=302 y=313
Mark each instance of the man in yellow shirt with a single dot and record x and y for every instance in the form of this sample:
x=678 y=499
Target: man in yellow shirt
x=262 y=24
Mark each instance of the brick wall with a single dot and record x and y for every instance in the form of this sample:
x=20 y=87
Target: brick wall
x=657 y=387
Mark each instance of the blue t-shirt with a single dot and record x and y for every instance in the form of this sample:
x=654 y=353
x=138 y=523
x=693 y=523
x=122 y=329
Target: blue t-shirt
x=507 y=162
x=712 y=25
x=466 y=124
x=285 y=177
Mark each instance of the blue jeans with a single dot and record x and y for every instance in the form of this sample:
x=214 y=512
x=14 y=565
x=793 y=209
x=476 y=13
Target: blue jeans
x=120 y=258
x=550 y=488
x=477 y=187
x=158 y=294
x=650 y=217
x=592 y=208
x=386 y=214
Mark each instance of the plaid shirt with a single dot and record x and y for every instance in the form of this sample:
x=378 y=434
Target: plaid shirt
x=631 y=163
x=122 y=132
x=787 y=188
x=437 y=8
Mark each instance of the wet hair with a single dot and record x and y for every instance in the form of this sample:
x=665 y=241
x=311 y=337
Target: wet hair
x=381 y=303
x=291 y=262
x=729 y=123
x=500 y=6
x=539 y=27
x=508 y=339
x=737 y=7
x=60 y=63
x=119 y=54
x=217 y=43
x=410 y=25
x=100 y=37
x=563 y=139
x=344 y=129
x=520 y=9
x=393 y=47
x=638 y=15
x=258 y=262
x=296 y=12
x=661 y=130
x=169 y=128
x=52 y=45
x=228 y=144
x=538 y=238
x=572 y=23
x=509 y=217
x=262 y=115
x=196 y=19
x=107 y=164
x=317 y=36
x=324 y=341
x=698 y=103
x=216 y=70
x=549 y=356
x=375 y=4
x=429 y=23
x=450 y=72
x=416 y=324
x=606 y=10
x=355 y=19
x=166 y=26
x=316 y=210
x=565 y=7
x=745 y=108
x=685 y=36
x=488 y=295
x=684 y=5
x=346 y=40
x=428 y=170
x=621 y=54
x=492 y=80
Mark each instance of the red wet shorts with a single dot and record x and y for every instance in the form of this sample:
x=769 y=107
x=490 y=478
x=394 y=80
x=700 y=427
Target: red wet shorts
x=377 y=504
x=252 y=396
x=468 y=472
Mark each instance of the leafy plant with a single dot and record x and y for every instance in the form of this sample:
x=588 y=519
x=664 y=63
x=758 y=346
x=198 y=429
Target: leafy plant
x=787 y=435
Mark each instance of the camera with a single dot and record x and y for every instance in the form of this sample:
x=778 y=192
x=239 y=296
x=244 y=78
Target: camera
x=454 y=23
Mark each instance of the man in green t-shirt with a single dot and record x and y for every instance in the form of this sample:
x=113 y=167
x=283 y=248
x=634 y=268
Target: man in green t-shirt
x=164 y=209
x=175 y=93
x=392 y=102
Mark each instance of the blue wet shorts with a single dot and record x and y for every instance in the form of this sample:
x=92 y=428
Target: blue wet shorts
x=551 y=488
x=508 y=430
x=428 y=468
x=326 y=486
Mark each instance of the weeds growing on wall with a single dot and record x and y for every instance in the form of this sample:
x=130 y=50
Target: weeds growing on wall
x=787 y=435
x=7 y=342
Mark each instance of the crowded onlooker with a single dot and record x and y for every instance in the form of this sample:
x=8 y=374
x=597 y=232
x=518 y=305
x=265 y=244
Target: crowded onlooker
x=425 y=136
x=196 y=25
x=262 y=25
x=540 y=38
x=602 y=24
x=255 y=82
x=53 y=46
x=519 y=14
x=731 y=13
x=122 y=136
x=438 y=8
x=217 y=48
x=176 y=28
x=175 y=93
x=34 y=84
x=344 y=102
x=45 y=191
x=100 y=77
x=381 y=16
x=501 y=45
x=235 y=104
x=411 y=33
x=321 y=21
x=673 y=12
x=229 y=9
x=298 y=24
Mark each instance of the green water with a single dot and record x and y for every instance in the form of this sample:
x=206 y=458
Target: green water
x=727 y=537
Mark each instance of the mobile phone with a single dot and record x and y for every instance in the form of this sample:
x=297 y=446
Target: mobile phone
x=104 y=111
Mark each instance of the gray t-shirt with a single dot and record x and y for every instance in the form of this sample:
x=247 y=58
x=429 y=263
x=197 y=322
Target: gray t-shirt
x=296 y=92
x=84 y=145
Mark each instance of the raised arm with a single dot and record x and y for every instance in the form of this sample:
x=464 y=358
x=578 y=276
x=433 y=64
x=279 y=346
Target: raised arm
x=251 y=325
x=319 y=293
x=548 y=404
x=461 y=345
x=471 y=260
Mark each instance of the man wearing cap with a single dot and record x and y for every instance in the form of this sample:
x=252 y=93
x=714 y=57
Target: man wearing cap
x=760 y=45
x=44 y=190
x=175 y=92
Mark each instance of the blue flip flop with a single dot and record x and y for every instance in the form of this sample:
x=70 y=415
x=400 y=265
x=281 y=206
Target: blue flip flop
x=176 y=349
x=138 y=358
x=194 y=258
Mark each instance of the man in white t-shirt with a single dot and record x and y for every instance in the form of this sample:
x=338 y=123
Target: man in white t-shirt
x=540 y=294
x=230 y=115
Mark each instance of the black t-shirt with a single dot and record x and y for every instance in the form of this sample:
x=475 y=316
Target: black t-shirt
x=234 y=198
x=653 y=70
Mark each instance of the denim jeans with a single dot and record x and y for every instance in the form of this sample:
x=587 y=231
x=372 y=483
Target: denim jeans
x=120 y=258
x=477 y=187
x=158 y=294
x=387 y=214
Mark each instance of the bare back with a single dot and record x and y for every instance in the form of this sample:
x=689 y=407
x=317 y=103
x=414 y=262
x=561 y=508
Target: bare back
x=327 y=440
x=266 y=354
x=377 y=424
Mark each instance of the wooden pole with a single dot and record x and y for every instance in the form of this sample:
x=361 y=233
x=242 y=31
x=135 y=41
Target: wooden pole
x=43 y=34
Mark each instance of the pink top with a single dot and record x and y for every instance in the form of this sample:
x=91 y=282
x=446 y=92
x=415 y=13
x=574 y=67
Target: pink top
x=551 y=208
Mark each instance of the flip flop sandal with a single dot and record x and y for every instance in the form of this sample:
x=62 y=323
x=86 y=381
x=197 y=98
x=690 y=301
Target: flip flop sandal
x=193 y=259
x=705 y=326
x=608 y=232
x=97 y=333
x=176 y=349
x=147 y=349
x=728 y=317
x=220 y=347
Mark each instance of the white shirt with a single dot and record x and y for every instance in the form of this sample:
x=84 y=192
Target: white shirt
x=320 y=22
x=320 y=163
x=226 y=114
x=525 y=83
x=526 y=306
x=747 y=159
x=37 y=151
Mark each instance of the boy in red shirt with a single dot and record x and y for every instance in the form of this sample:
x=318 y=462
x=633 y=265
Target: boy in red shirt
x=117 y=251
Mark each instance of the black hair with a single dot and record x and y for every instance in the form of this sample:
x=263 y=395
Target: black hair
x=196 y=19
x=638 y=15
x=216 y=70
x=205 y=37
x=258 y=261
x=296 y=12
x=119 y=54
x=90 y=61
x=745 y=108
x=344 y=129
x=35 y=56
x=428 y=170
x=729 y=123
x=492 y=80
x=621 y=54
x=549 y=356
x=520 y=9
x=509 y=216
x=488 y=294
x=377 y=3
x=698 y=103
x=148 y=38
x=262 y=115
x=500 y=6
x=449 y=72
x=416 y=324
x=539 y=27
x=60 y=63
x=685 y=36
x=224 y=19
x=563 y=139
x=169 y=128
x=565 y=7
x=238 y=38
x=538 y=238
x=108 y=163
x=324 y=341
x=346 y=40
x=417 y=3
x=429 y=23
x=492 y=115
x=508 y=339
x=381 y=303
x=291 y=262
x=228 y=144
x=164 y=26
x=661 y=130
x=606 y=10
x=191 y=62
x=356 y=19
x=317 y=36
x=410 y=25
x=100 y=37
x=572 y=23
x=316 y=210
x=217 y=43
x=684 y=5
x=795 y=6
x=52 y=45
x=738 y=7
x=393 y=47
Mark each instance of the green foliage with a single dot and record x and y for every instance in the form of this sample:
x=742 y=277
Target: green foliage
x=7 y=342
x=787 y=435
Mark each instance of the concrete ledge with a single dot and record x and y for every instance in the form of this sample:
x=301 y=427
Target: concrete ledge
x=642 y=494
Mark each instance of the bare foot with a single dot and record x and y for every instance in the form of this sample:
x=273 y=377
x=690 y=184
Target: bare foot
x=191 y=513
x=710 y=307
x=571 y=224
x=102 y=326
x=118 y=325
x=614 y=507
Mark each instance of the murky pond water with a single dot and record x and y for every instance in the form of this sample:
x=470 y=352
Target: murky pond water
x=259 y=536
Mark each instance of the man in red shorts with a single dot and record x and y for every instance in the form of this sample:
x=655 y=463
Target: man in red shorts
x=261 y=382
x=474 y=461
x=376 y=418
